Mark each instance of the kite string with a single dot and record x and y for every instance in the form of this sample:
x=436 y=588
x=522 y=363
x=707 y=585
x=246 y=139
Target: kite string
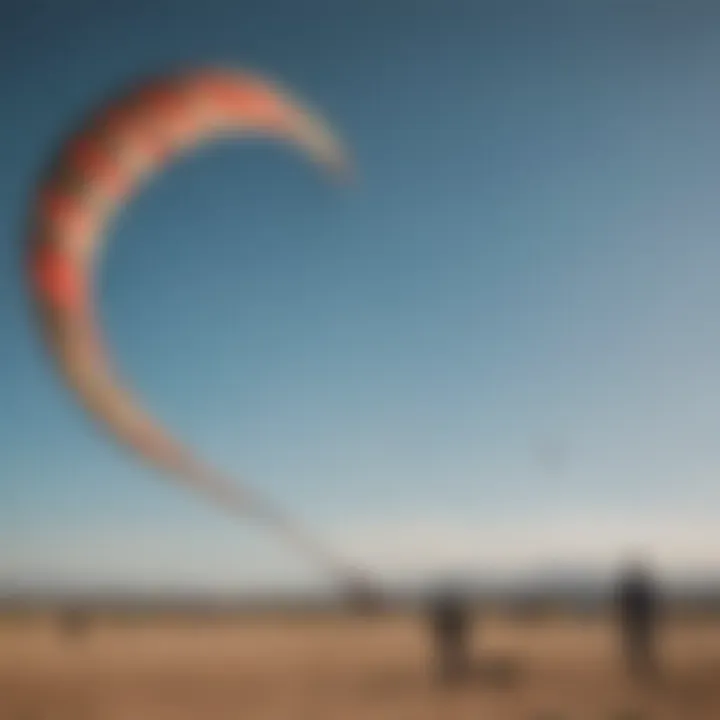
x=250 y=503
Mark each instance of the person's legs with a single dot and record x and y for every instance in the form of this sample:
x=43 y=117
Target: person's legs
x=646 y=649
x=448 y=658
x=458 y=656
x=461 y=655
x=639 y=648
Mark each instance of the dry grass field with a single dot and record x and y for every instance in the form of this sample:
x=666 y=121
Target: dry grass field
x=342 y=668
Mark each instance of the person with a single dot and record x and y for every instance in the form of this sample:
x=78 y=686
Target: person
x=74 y=623
x=450 y=622
x=638 y=609
x=364 y=596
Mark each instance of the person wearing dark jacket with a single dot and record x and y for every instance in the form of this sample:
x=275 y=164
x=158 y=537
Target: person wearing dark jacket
x=450 y=621
x=637 y=601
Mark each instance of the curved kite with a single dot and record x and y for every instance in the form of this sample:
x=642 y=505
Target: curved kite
x=95 y=172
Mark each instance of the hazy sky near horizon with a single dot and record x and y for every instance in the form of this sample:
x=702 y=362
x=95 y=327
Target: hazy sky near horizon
x=498 y=347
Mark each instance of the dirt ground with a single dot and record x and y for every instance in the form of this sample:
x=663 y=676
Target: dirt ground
x=345 y=669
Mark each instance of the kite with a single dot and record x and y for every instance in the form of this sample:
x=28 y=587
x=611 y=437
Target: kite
x=98 y=170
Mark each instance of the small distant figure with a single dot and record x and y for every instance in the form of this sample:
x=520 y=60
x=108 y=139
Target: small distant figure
x=637 y=599
x=450 y=620
x=74 y=623
x=364 y=597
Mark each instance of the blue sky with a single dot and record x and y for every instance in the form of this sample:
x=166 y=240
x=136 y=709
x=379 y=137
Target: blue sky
x=498 y=347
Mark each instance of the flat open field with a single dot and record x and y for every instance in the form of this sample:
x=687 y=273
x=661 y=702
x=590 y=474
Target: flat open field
x=338 y=668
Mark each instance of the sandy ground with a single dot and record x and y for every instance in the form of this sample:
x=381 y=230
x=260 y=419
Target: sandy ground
x=344 y=669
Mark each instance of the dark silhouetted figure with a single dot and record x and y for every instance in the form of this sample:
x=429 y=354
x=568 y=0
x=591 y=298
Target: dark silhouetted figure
x=637 y=600
x=364 y=597
x=75 y=623
x=450 y=620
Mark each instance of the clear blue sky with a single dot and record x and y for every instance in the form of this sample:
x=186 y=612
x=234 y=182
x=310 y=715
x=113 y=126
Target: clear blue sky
x=498 y=347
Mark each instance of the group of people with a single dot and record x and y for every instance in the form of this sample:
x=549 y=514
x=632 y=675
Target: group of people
x=636 y=602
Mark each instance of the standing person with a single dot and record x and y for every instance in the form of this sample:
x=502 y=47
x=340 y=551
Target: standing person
x=450 y=622
x=74 y=623
x=638 y=609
